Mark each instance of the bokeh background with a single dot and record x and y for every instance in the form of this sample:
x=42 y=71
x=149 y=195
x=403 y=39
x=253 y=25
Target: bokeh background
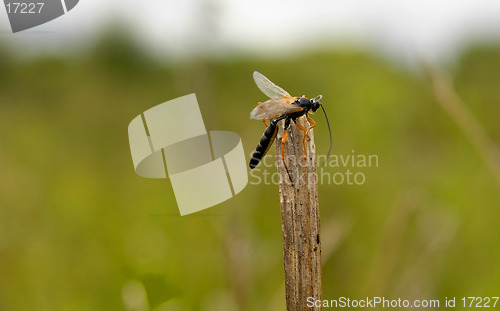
x=416 y=84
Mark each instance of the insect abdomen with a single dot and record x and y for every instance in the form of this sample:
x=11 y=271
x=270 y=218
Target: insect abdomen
x=263 y=145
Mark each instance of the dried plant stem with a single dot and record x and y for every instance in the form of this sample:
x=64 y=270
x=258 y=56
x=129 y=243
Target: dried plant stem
x=300 y=218
x=465 y=119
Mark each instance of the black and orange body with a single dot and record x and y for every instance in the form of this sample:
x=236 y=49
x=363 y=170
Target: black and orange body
x=281 y=106
x=264 y=144
x=303 y=106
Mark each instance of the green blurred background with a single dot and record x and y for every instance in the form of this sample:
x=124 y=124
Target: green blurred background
x=79 y=230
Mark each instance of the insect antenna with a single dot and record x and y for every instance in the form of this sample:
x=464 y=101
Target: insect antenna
x=330 y=132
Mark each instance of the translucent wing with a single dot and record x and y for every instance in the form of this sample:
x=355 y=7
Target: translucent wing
x=274 y=107
x=267 y=87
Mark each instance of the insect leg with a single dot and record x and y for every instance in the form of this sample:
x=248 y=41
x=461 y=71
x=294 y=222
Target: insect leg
x=303 y=129
x=283 y=141
x=313 y=124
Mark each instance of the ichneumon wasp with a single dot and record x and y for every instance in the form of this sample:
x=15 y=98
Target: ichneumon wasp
x=282 y=106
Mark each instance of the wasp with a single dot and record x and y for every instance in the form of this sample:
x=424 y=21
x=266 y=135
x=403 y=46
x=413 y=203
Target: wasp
x=282 y=106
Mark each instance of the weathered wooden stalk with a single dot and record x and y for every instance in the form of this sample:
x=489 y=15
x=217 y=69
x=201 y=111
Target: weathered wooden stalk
x=300 y=218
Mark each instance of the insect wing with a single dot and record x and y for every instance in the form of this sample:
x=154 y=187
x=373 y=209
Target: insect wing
x=273 y=108
x=267 y=87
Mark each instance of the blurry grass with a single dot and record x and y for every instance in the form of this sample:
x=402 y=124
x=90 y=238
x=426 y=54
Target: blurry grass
x=458 y=111
x=77 y=225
